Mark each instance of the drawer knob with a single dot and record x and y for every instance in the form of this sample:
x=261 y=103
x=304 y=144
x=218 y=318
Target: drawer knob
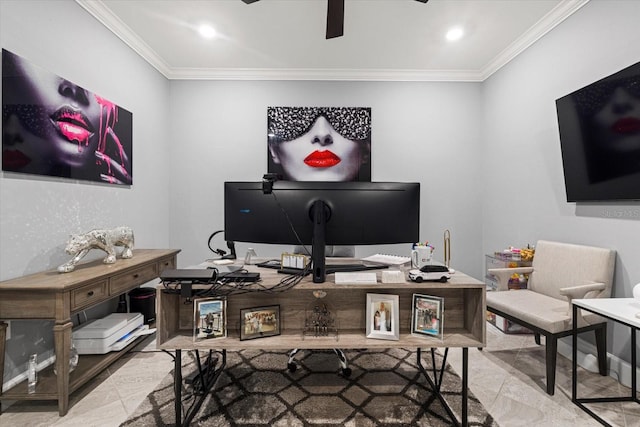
x=135 y=276
x=90 y=293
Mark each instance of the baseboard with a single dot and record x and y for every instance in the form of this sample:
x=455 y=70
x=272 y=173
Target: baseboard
x=617 y=368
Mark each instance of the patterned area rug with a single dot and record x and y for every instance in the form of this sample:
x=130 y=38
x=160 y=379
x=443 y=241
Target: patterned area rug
x=386 y=388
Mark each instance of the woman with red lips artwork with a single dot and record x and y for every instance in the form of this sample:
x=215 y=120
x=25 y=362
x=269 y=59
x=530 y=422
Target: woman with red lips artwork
x=320 y=144
x=609 y=113
x=51 y=126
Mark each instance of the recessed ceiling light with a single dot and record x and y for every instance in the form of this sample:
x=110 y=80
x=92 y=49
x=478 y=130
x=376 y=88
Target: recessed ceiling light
x=207 y=31
x=455 y=33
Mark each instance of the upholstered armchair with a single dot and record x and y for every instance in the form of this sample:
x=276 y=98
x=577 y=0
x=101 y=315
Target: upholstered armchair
x=559 y=273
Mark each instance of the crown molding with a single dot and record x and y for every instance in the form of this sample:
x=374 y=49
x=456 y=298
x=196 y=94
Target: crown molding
x=321 y=74
x=114 y=24
x=548 y=22
x=104 y=15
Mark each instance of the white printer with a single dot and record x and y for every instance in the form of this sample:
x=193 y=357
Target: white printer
x=111 y=333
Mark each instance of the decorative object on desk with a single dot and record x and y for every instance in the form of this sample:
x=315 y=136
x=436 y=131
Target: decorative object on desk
x=210 y=318
x=447 y=248
x=430 y=272
x=259 y=322
x=264 y=394
x=73 y=359
x=383 y=316
x=250 y=254
x=421 y=255
x=427 y=315
x=32 y=373
x=105 y=239
x=319 y=319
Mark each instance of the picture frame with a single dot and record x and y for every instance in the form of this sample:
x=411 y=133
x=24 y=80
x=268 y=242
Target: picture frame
x=427 y=315
x=383 y=316
x=259 y=322
x=209 y=318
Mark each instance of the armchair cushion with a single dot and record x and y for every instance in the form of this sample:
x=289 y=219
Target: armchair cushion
x=537 y=309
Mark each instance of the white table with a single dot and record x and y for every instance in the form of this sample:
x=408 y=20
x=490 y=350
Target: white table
x=623 y=311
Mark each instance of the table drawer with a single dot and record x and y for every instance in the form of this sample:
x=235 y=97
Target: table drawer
x=129 y=280
x=167 y=263
x=88 y=295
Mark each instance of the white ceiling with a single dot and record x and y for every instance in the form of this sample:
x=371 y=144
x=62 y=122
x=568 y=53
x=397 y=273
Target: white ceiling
x=285 y=39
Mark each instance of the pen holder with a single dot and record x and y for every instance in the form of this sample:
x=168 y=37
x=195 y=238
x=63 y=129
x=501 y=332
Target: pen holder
x=421 y=256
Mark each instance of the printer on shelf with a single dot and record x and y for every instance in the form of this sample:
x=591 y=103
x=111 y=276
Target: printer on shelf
x=111 y=333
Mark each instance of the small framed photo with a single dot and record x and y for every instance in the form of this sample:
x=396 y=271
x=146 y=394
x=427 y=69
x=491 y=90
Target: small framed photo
x=210 y=318
x=383 y=317
x=259 y=322
x=427 y=315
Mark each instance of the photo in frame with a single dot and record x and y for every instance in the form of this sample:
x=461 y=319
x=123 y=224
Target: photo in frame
x=427 y=315
x=259 y=322
x=210 y=318
x=383 y=316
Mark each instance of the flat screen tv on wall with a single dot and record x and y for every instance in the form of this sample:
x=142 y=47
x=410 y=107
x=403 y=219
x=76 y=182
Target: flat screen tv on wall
x=600 y=138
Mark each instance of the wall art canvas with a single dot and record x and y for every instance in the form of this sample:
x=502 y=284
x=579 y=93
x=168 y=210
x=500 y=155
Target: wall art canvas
x=319 y=143
x=210 y=318
x=53 y=127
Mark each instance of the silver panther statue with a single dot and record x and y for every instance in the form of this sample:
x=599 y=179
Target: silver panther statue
x=107 y=240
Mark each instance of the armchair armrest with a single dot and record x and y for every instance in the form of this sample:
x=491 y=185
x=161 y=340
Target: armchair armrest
x=503 y=275
x=580 y=291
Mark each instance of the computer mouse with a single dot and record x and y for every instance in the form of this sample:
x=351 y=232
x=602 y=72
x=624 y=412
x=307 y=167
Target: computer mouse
x=451 y=271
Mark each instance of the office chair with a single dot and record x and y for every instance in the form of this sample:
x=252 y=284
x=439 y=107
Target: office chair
x=330 y=251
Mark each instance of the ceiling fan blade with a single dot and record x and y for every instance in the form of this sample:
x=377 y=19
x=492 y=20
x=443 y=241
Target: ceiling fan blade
x=421 y=1
x=335 y=18
x=249 y=1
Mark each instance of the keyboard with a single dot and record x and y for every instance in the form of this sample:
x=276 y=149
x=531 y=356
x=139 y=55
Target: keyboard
x=357 y=277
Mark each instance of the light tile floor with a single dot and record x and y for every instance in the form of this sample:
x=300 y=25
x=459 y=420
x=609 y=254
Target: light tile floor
x=507 y=376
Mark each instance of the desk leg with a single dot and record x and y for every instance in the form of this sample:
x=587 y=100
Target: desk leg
x=62 y=345
x=436 y=382
x=634 y=384
x=574 y=351
x=3 y=337
x=465 y=383
x=177 y=386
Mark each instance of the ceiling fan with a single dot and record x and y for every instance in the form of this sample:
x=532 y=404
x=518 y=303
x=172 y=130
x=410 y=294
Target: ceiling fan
x=335 y=17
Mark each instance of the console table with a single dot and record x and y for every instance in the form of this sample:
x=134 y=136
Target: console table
x=464 y=320
x=56 y=296
x=623 y=311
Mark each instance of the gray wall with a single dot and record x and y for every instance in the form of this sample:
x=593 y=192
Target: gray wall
x=523 y=195
x=416 y=136
x=38 y=214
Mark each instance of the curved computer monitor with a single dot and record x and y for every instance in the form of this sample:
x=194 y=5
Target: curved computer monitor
x=319 y=213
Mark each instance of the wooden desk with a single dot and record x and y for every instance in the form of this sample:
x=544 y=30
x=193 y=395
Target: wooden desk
x=56 y=296
x=464 y=317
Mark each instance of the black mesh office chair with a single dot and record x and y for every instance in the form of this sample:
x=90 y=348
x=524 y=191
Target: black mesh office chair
x=330 y=251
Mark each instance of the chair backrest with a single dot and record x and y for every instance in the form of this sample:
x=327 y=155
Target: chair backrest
x=560 y=265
